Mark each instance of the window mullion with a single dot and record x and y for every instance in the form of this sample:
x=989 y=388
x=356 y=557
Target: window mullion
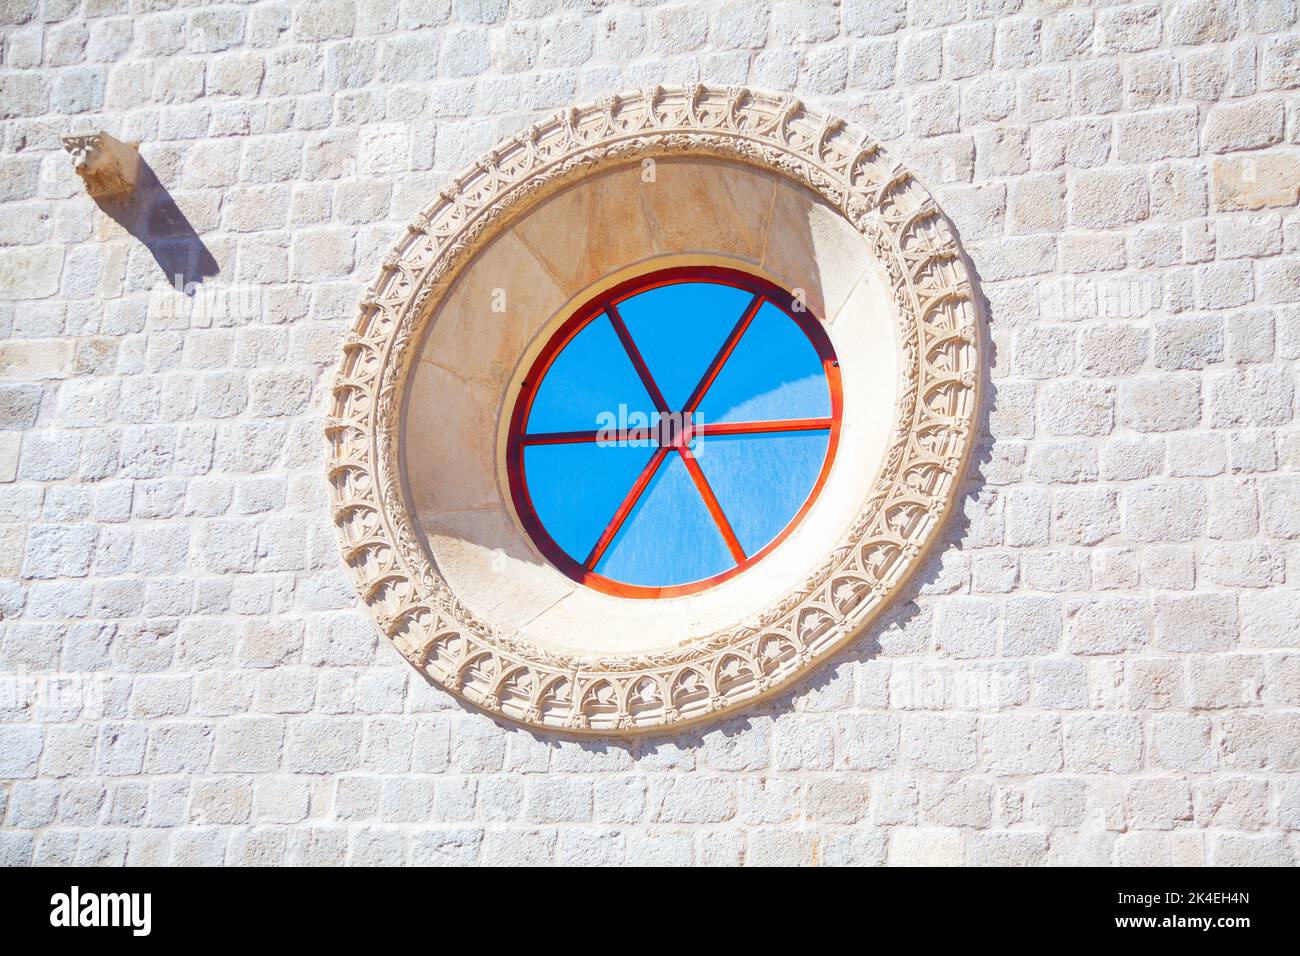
x=638 y=362
x=625 y=509
x=724 y=353
x=711 y=502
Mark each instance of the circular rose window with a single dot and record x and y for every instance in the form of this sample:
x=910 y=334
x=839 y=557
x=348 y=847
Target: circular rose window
x=674 y=430
x=652 y=409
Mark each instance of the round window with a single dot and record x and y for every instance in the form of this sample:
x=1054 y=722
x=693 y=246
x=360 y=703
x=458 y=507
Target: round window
x=674 y=430
x=597 y=369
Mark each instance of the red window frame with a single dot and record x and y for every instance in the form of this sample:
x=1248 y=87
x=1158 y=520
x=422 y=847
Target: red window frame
x=607 y=303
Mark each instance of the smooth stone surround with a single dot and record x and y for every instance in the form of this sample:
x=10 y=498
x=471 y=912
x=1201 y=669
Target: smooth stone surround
x=457 y=407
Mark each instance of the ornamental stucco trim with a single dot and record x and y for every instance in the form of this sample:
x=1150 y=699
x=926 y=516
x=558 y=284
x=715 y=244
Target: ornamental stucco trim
x=902 y=512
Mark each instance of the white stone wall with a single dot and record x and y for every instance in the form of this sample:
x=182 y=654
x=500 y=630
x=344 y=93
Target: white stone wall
x=1102 y=666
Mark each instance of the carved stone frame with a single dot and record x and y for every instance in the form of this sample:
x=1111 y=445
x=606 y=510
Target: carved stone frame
x=939 y=336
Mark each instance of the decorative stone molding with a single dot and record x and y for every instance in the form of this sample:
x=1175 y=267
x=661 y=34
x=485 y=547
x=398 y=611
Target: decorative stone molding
x=109 y=166
x=937 y=322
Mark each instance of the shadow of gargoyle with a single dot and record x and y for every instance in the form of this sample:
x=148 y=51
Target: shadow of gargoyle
x=128 y=191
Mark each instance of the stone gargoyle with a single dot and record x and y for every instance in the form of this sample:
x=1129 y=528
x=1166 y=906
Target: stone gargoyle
x=108 y=165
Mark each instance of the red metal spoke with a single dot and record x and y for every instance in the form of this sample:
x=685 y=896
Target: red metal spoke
x=558 y=438
x=665 y=436
x=724 y=353
x=711 y=502
x=634 y=353
x=774 y=425
x=621 y=436
x=624 y=509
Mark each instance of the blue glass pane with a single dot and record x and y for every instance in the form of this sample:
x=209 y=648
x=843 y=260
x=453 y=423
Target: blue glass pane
x=589 y=380
x=761 y=480
x=670 y=537
x=577 y=488
x=679 y=329
x=773 y=373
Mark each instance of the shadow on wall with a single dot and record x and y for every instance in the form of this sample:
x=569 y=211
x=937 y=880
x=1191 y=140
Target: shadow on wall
x=151 y=216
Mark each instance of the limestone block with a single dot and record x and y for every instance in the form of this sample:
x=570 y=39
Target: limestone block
x=1257 y=181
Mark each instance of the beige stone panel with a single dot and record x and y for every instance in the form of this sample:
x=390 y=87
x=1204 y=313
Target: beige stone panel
x=469 y=335
x=448 y=444
x=10 y=443
x=590 y=229
x=491 y=568
x=812 y=247
x=29 y=360
x=111 y=280
x=30 y=273
x=1256 y=182
x=709 y=207
x=865 y=337
x=586 y=620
